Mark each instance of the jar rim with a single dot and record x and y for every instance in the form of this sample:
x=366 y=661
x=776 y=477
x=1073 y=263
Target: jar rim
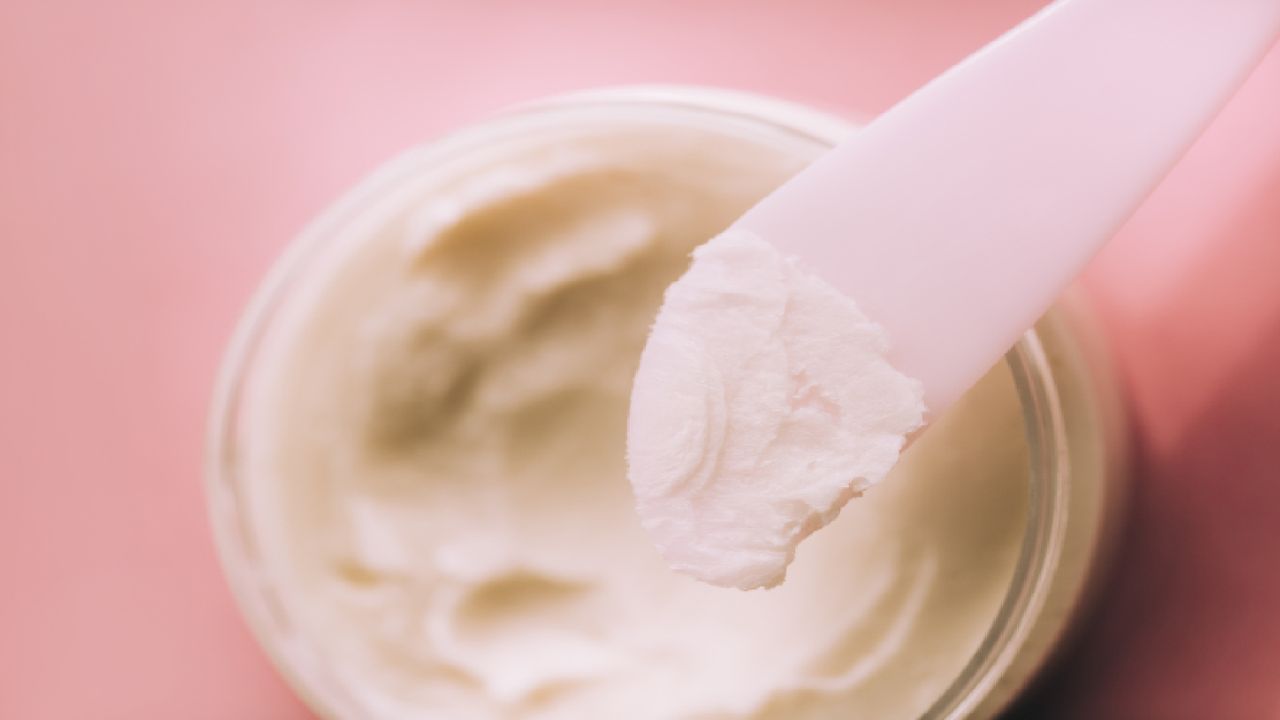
x=1033 y=376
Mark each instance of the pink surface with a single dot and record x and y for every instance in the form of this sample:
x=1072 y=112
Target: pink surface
x=154 y=157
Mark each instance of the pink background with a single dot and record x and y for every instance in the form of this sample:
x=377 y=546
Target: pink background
x=156 y=155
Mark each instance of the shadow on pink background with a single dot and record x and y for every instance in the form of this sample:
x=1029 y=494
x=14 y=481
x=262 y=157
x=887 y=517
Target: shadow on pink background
x=155 y=156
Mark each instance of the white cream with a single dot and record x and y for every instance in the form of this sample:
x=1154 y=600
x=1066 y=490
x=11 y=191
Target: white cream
x=762 y=404
x=436 y=481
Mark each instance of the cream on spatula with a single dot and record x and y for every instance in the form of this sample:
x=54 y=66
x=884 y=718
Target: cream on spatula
x=788 y=366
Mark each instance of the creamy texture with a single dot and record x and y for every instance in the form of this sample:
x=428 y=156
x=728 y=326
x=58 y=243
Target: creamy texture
x=763 y=403
x=435 y=475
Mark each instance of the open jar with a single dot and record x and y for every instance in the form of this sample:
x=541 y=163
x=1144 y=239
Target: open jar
x=416 y=471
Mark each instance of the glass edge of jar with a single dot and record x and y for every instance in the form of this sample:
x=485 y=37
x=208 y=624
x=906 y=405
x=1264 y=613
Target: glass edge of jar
x=253 y=321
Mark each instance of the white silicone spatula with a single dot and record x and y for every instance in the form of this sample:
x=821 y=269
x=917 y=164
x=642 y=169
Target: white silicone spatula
x=957 y=217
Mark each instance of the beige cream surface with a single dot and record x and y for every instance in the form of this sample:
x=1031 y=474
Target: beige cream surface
x=438 y=484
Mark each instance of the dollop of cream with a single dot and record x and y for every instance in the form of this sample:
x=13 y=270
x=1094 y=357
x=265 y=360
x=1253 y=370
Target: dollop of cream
x=762 y=404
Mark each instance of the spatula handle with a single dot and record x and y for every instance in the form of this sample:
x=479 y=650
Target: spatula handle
x=957 y=217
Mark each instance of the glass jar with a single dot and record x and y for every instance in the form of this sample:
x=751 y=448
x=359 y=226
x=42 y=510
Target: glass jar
x=1070 y=407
